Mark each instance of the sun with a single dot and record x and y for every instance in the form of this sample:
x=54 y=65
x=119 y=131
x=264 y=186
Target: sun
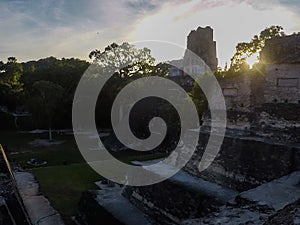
x=252 y=60
x=173 y=23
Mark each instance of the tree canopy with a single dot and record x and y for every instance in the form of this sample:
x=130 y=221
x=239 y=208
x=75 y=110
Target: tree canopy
x=31 y=81
x=10 y=84
x=124 y=60
x=244 y=50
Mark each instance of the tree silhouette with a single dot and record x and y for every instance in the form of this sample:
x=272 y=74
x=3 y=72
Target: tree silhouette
x=244 y=50
x=45 y=102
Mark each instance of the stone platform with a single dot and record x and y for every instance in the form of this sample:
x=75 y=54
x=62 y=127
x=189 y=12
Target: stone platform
x=38 y=207
x=260 y=205
x=187 y=200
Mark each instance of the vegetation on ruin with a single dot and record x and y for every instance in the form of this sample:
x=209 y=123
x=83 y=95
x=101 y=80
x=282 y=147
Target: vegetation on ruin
x=245 y=50
x=239 y=65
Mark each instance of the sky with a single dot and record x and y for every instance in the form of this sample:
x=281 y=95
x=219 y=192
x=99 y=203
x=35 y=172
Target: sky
x=33 y=29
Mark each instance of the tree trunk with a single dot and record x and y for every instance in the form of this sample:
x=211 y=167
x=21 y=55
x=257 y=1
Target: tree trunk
x=50 y=132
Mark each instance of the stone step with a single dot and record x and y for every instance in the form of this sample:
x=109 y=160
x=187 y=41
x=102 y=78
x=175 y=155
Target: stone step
x=38 y=207
x=178 y=198
x=230 y=214
x=193 y=183
x=111 y=198
x=275 y=194
x=259 y=205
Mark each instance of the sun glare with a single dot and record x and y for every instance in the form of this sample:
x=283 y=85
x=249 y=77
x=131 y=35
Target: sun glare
x=252 y=60
x=231 y=23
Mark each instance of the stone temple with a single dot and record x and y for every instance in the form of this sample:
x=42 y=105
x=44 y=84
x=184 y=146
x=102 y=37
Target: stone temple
x=255 y=178
x=201 y=43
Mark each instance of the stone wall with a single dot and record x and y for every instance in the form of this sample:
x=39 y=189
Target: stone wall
x=237 y=92
x=282 y=50
x=278 y=121
x=202 y=43
x=258 y=102
x=282 y=83
x=238 y=99
x=257 y=89
x=170 y=202
x=246 y=162
x=90 y=212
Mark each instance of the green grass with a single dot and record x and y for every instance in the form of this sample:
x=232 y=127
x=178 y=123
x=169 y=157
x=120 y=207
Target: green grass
x=66 y=153
x=17 y=141
x=61 y=184
x=21 y=151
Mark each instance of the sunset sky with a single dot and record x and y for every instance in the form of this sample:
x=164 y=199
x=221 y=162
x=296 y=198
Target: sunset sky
x=32 y=29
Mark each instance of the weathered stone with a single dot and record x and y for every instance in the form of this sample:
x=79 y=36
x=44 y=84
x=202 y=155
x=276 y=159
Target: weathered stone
x=261 y=142
x=37 y=205
x=280 y=50
x=282 y=83
x=179 y=198
x=92 y=213
x=199 y=43
x=276 y=194
x=287 y=216
x=246 y=162
x=202 y=43
x=237 y=92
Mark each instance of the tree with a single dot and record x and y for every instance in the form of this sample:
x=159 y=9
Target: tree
x=45 y=101
x=65 y=72
x=161 y=69
x=10 y=85
x=127 y=63
x=245 y=50
x=124 y=60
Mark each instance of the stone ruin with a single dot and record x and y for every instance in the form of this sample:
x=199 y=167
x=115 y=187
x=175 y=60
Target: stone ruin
x=255 y=177
x=201 y=43
x=266 y=103
x=282 y=50
x=262 y=140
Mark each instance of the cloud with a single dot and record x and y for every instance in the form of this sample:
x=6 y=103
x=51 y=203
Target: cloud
x=233 y=21
x=151 y=5
x=293 y=5
x=38 y=28
x=31 y=29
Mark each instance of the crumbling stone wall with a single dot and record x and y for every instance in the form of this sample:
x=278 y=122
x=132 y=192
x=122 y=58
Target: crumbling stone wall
x=281 y=50
x=263 y=101
x=282 y=83
x=281 y=57
x=171 y=202
x=237 y=92
x=246 y=162
x=201 y=42
x=278 y=121
x=257 y=88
